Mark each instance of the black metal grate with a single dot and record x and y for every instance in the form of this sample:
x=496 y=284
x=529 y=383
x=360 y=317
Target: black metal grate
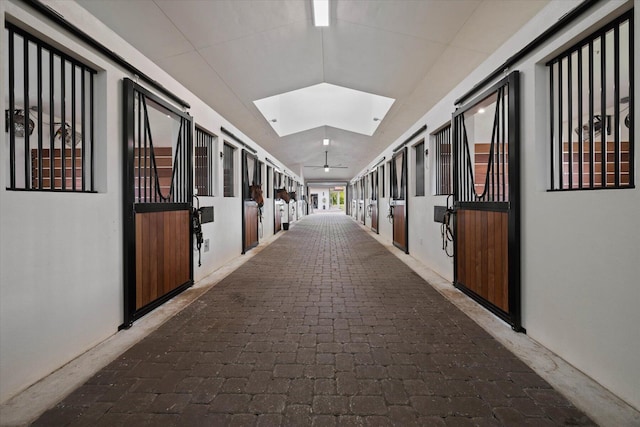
x=483 y=172
x=419 y=151
x=443 y=169
x=49 y=119
x=162 y=147
x=374 y=185
x=269 y=188
x=203 y=165
x=228 y=160
x=591 y=111
x=398 y=176
x=382 y=180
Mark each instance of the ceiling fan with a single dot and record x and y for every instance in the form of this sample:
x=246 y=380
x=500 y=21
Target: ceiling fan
x=326 y=164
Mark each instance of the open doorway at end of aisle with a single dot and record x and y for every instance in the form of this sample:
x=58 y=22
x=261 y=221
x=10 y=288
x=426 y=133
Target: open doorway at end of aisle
x=336 y=198
x=327 y=199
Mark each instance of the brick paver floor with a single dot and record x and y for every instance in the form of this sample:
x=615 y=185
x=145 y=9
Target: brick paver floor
x=324 y=327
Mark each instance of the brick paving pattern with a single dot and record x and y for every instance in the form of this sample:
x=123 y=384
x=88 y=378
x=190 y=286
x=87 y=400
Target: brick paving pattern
x=324 y=327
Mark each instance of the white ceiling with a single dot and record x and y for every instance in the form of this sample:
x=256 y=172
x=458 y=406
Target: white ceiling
x=233 y=52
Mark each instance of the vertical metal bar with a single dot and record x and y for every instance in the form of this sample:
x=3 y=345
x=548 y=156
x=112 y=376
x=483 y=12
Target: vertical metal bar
x=39 y=117
x=505 y=145
x=83 y=120
x=591 y=145
x=551 y=127
x=454 y=152
x=570 y=115
x=73 y=126
x=450 y=161
x=189 y=165
x=438 y=161
x=138 y=140
x=197 y=164
x=52 y=129
x=580 y=137
x=12 y=107
x=210 y=156
x=200 y=165
x=631 y=107
x=494 y=151
x=63 y=125
x=616 y=104
x=560 y=136
x=146 y=153
x=461 y=162
x=27 y=181
x=603 y=108
x=91 y=140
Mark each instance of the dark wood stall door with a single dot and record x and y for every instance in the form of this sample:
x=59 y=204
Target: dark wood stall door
x=399 y=200
x=250 y=211
x=486 y=200
x=158 y=191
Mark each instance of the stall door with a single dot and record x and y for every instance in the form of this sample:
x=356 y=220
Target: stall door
x=250 y=209
x=399 y=200
x=158 y=183
x=486 y=200
x=373 y=205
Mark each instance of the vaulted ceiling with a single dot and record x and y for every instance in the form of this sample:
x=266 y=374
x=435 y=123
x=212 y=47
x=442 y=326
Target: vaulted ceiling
x=231 y=53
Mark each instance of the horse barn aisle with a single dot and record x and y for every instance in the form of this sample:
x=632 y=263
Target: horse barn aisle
x=326 y=327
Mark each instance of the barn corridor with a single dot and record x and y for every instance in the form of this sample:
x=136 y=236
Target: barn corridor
x=323 y=327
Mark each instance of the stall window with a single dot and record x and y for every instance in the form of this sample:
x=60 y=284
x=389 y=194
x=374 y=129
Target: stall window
x=49 y=116
x=591 y=111
x=419 y=152
x=204 y=162
x=269 y=188
x=442 y=155
x=228 y=155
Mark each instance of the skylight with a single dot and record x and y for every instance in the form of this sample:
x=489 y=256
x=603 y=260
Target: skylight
x=324 y=104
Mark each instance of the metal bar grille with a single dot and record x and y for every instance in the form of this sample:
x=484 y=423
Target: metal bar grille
x=204 y=162
x=227 y=160
x=592 y=146
x=483 y=167
x=443 y=173
x=47 y=94
x=419 y=151
x=162 y=171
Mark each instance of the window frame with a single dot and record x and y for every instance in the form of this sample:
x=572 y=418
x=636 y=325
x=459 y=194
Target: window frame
x=442 y=158
x=83 y=135
x=228 y=170
x=204 y=139
x=589 y=146
x=420 y=165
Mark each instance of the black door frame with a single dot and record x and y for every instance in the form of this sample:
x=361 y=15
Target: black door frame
x=512 y=82
x=130 y=207
x=405 y=190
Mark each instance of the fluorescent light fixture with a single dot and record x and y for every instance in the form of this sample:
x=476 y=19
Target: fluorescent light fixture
x=481 y=111
x=321 y=13
x=325 y=141
x=326 y=169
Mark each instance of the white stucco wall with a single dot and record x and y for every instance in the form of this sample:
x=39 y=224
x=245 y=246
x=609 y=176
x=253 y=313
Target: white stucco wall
x=61 y=286
x=580 y=249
